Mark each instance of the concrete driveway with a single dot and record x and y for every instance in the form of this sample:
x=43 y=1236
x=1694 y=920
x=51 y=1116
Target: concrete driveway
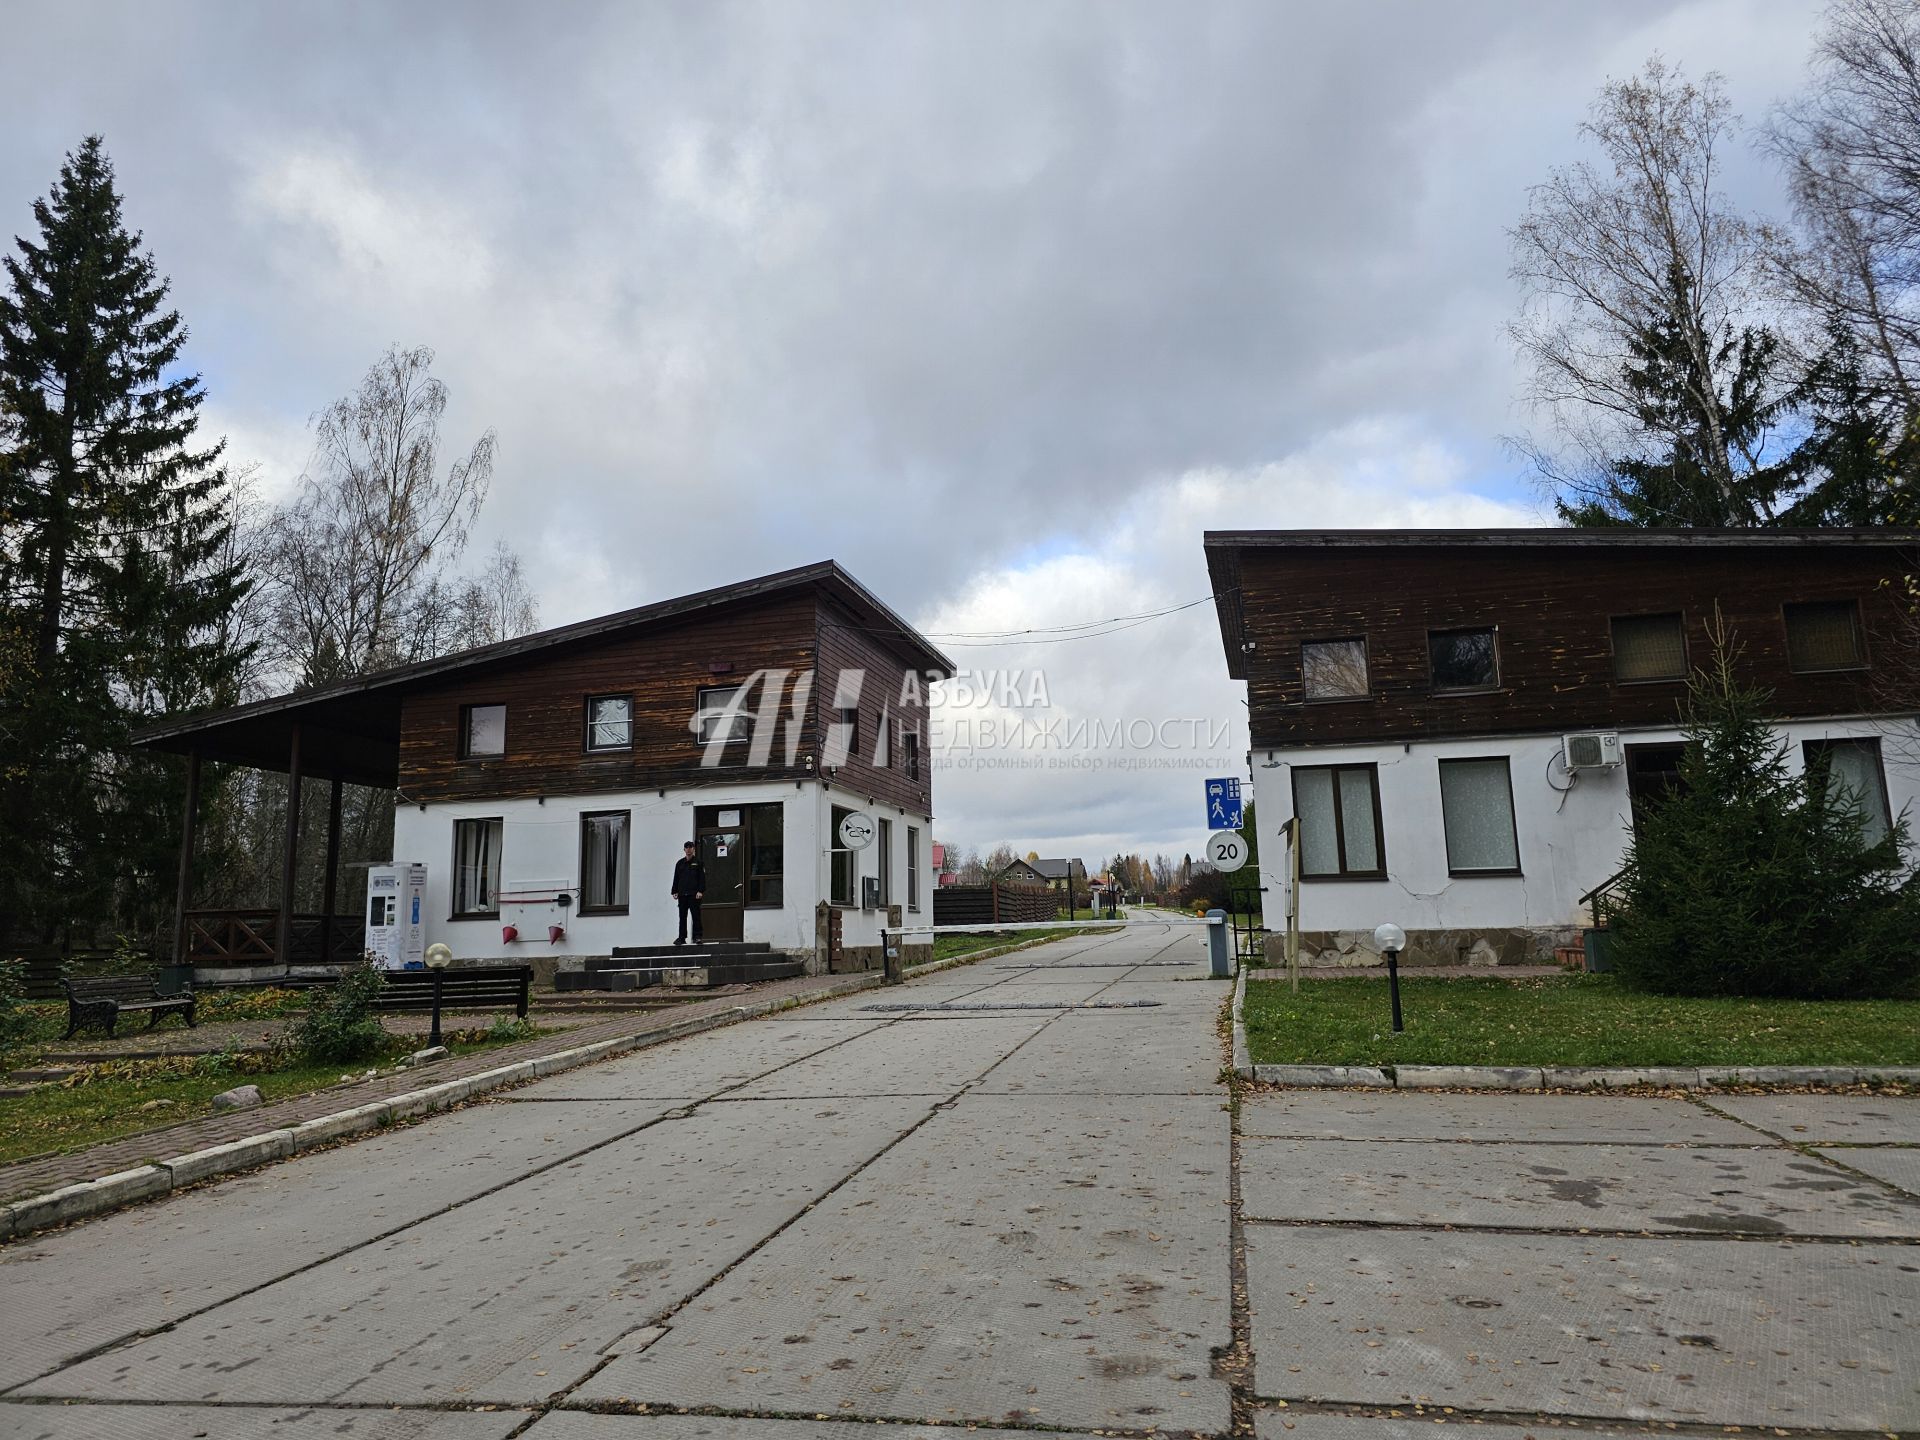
x=998 y=1196
x=1613 y=1260
x=1000 y=1200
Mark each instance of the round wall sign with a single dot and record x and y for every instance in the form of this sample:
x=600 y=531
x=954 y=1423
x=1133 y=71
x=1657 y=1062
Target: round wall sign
x=1226 y=850
x=857 y=830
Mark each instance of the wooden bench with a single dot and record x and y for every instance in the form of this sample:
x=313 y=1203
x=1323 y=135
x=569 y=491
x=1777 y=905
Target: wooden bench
x=477 y=987
x=100 y=1001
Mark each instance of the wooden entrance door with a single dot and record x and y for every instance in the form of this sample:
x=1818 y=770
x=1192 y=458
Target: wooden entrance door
x=722 y=840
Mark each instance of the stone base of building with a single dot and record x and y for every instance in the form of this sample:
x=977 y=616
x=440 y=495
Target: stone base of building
x=1487 y=948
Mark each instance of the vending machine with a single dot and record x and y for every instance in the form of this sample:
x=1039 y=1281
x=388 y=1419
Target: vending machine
x=396 y=906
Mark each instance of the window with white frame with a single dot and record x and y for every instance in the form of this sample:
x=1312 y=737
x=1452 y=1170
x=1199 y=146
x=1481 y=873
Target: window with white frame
x=610 y=722
x=844 y=875
x=476 y=867
x=913 y=869
x=1476 y=811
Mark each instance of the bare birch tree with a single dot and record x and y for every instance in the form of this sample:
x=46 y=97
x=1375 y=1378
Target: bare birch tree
x=1638 y=262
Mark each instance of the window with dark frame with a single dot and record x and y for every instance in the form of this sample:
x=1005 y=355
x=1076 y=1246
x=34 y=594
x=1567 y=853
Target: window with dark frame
x=711 y=707
x=1334 y=669
x=1649 y=647
x=1853 y=772
x=884 y=866
x=913 y=869
x=848 y=717
x=910 y=757
x=1476 y=814
x=483 y=731
x=844 y=874
x=766 y=856
x=1464 y=661
x=883 y=744
x=605 y=860
x=1824 y=635
x=609 y=722
x=1338 y=807
x=476 y=867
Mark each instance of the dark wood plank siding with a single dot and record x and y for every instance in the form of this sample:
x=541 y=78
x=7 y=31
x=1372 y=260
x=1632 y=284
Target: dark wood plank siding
x=1552 y=607
x=846 y=645
x=545 y=694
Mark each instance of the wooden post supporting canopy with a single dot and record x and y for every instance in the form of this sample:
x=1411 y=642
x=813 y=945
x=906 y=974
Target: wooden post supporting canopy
x=283 y=931
x=333 y=874
x=183 y=879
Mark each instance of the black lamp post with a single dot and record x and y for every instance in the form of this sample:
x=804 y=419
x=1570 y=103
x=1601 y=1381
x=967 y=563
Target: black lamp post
x=438 y=958
x=1391 y=940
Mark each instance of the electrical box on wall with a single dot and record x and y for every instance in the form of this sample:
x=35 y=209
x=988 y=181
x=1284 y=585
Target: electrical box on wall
x=396 y=916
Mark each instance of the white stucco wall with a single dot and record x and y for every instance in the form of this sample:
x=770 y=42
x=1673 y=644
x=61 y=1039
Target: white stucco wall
x=1568 y=844
x=541 y=846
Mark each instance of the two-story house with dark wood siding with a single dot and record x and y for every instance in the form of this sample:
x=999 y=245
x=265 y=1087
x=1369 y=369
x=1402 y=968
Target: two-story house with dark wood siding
x=550 y=780
x=1464 y=723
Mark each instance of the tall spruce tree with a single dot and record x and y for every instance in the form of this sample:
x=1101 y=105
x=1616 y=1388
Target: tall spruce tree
x=115 y=574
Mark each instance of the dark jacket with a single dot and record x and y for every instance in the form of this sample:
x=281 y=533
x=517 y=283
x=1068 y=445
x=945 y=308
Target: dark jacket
x=689 y=878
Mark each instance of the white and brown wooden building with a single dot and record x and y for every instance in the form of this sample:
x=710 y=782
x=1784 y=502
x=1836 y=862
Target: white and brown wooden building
x=550 y=780
x=1464 y=723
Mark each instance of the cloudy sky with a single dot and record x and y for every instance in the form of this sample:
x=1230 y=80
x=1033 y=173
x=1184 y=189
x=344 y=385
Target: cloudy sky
x=998 y=304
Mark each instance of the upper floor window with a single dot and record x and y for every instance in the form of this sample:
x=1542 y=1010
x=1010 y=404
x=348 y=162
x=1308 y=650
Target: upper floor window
x=712 y=715
x=1824 y=635
x=483 y=730
x=610 y=722
x=883 y=744
x=1464 y=660
x=1333 y=669
x=910 y=753
x=1649 y=647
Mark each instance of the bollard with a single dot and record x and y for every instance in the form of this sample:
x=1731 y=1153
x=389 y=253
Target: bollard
x=1219 y=957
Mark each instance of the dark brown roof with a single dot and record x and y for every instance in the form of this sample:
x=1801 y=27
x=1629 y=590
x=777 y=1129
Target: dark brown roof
x=351 y=728
x=1224 y=548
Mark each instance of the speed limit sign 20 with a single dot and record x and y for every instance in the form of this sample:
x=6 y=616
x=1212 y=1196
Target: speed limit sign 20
x=1226 y=850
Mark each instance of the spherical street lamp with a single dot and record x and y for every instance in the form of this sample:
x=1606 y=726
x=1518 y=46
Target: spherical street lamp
x=438 y=958
x=1390 y=940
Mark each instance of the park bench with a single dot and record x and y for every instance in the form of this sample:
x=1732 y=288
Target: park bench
x=100 y=1001
x=477 y=987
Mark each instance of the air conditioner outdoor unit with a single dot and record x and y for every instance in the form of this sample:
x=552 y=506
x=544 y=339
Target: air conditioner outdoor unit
x=1591 y=750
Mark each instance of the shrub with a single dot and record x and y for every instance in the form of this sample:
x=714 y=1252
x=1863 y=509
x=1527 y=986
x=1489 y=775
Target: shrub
x=1751 y=880
x=507 y=1028
x=15 y=1018
x=341 y=1024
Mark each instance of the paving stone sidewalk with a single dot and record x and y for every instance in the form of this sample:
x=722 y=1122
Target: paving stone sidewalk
x=48 y=1172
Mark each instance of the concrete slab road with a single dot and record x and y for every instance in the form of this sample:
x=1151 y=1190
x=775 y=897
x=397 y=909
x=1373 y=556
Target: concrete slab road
x=992 y=1217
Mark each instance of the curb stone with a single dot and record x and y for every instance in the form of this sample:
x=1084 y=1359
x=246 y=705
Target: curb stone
x=1468 y=1077
x=88 y=1198
x=1322 y=1076
x=1242 y=1058
x=1589 y=1077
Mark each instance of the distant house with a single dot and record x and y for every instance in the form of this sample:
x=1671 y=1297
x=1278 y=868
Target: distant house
x=1020 y=872
x=1464 y=724
x=1058 y=871
x=547 y=783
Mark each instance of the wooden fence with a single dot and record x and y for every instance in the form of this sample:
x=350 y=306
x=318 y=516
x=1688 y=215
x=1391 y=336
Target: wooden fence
x=994 y=904
x=246 y=937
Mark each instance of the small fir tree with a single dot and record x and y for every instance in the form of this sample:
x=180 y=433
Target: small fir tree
x=1750 y=879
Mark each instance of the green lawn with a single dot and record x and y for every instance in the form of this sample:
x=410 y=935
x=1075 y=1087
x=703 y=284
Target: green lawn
x=62 y=1117
x=1565 y=1020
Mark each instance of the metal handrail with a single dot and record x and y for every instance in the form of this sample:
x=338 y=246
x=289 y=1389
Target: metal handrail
x=1595 y=899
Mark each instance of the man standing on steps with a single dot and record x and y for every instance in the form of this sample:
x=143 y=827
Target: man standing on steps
x=689 y=884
